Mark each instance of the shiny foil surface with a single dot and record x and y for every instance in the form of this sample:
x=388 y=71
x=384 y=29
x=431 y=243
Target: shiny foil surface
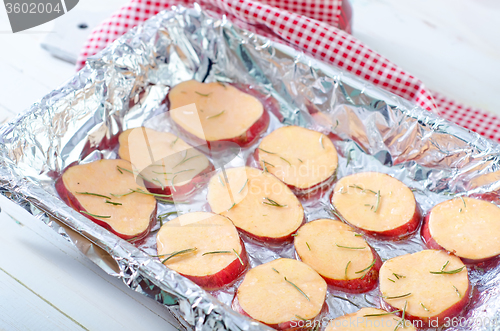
x=124 y=87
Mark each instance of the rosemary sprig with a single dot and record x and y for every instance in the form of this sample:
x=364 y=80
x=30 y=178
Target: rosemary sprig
x=267 y=163
x=276 y=270
x=185 y=160
x=465 y=206
x=238 y=256
x=341 y=246
x=216 y=252
x=120 y=169
x=425 y=308
x=203 y=95
x=321 y=141
x=121 y=195
x=397 y=296
x=273 y=203
x=398 y=276
x=159 y=182
x=382 y=314
x=113 y=203
x=442 y=272
x=149 y=193
x=363 y=190
x=94 y=215
x=184 y=251
x=297 y=288
x=216 y=115
x=266 y=151
x=243 y=186
x=95 y=194
x=347 y=266
x=367 y=268
x=456 y=290
x=285 y=160
x=444 y=266
x=161 y=217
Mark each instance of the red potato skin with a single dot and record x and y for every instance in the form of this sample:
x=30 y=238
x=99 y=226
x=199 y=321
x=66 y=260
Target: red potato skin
x=400 y=233
x=438 y=320
x=73 y=202
x=308 y=193
x=269 y=240
x=253 y=133
x=224 y=277
x=359 y=285
x=185 y=190
x=288 y=326
x=432 y=244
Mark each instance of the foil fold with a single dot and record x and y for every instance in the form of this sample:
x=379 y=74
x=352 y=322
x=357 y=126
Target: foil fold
x=125 y=86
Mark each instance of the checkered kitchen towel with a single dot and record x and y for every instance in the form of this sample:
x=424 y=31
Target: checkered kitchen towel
x=314 y=27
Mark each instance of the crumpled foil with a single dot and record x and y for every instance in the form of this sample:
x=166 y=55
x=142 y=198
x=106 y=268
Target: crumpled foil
x=124 y=86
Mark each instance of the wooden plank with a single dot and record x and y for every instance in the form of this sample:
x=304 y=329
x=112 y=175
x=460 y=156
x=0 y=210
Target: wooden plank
x=39 y=261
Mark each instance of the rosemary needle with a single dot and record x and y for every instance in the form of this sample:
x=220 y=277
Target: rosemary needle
x=349 y=247
x=378 y=202
x=216 y=115
x=424 y=306
x=321 y=141
x=442 y=272
x=93 y=215
x=444 y=266
x=398 y=276
x=216 y=252
x=392 y=280
x=243 y=186
x=95 y=194
x=178 y=253
x=276 y=270
x=238 y=256
x=285 y=160
x=113 y=203
x=465 y=206
x=456 y=290
x=347 y=266
x=266 y=151
x=273 y=203
x=298 y=289
x=308 y=246
x=301 y=318
x=267 y=163
x=203 y=95
x=382 y=314
x=398 y=296
x=185 y=160
x=367 y=268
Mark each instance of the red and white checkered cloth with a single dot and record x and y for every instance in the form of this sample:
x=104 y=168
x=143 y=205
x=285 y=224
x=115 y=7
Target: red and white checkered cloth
x=309 y=25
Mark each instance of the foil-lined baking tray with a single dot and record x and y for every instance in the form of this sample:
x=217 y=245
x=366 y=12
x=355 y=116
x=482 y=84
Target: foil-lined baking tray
x=125 y=85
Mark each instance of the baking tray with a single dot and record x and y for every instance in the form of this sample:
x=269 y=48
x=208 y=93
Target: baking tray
x=124 y=86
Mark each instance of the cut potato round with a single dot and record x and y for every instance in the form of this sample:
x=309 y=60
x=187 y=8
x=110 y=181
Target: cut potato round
x=378 y=204
x=167 y=164
x=280 y=292
x=94 y=190
x=221 y=113
x=368 y=319
x=257 y=202
x=467 y=227
x=430 y=285
x=301 y=158
x=340 y=255
x=212 y=254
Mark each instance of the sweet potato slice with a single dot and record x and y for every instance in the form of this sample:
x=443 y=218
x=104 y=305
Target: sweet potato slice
x=430 y=285
x=258 y=203
x=107 y=194
x=377 y=204
x=340 y=255
x=204 y=247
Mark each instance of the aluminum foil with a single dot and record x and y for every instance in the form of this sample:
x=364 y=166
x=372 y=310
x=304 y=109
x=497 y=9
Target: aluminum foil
x=124 y=86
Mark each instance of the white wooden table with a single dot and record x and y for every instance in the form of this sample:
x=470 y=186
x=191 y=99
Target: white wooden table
x=46 y=284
